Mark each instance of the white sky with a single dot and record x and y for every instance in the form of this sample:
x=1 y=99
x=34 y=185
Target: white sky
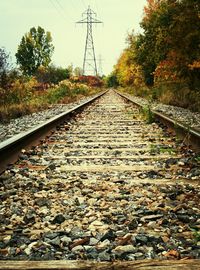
x=59 y=17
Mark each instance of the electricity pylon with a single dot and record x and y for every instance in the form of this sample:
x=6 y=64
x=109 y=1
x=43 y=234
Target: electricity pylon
x=89 y=62
x=100 y=70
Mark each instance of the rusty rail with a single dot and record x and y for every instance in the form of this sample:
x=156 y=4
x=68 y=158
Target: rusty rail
x=87 y=265
x=11 y=148
x=189 y=135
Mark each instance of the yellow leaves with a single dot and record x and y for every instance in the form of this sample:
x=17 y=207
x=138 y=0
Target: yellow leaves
x=65 y=83
x=127 y=71
x=31 y=83
x=73 y=86
x=19 y=85
x=42 y=69
x=194 y=65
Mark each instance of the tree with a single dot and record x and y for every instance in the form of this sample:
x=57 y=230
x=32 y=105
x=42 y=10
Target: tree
x=169 y=47
x=154 y=44
x=185 y=40
x=4 y=57
x=35 y=50
x=4 y=67
x=128 y=72
x=111 y=80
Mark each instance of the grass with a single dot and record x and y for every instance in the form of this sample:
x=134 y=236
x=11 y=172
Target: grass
x=23 y=99
x=196 y=233
x=157 y=149
x=147 y=113
x=177 y=94
x=167 y=150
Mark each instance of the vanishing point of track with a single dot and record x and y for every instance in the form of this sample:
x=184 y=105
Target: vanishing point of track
x=104 y=186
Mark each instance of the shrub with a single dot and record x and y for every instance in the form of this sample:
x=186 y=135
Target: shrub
x=52 y=74
x=56 y=94
x=21 y=98
x=92 y=81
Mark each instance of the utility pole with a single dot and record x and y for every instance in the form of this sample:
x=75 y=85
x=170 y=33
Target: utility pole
x=89 y=62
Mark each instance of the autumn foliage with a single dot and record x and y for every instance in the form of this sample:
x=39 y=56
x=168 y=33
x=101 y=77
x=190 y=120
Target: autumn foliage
x=167 y=51
x=169 y=48
x=152 y=6
x=92 y=81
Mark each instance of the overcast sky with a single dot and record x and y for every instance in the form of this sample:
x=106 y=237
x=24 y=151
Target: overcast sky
x=59 y=17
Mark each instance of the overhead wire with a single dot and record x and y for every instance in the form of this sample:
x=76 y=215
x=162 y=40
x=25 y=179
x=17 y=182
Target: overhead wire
x=59 y=4
x=62 y=8
x=73 y=4
x=83 y=2
x=58 y=8
x=97 y=8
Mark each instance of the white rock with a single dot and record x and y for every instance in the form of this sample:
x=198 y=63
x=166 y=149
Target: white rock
x=27 y=251
x=104 y=244
x=124 y=249
x=77 y=249
x=66 y=240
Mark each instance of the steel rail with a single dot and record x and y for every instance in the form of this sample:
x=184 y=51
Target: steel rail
x=189 y=135
x=11 y=148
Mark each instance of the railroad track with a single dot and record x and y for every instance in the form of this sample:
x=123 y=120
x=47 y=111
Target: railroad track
x=190 y=135
x=104 y=186
x=11 y=148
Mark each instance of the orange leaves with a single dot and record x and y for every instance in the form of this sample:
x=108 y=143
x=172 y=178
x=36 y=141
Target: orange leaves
x=92 y=81
x=167 y=70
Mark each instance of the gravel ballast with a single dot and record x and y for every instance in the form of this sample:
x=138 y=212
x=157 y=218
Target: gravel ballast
x=104 y=186
x=22 y=124
x=181 y=115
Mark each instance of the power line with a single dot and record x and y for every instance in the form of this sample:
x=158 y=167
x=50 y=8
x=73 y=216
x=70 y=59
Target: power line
x=74 y=5
x=96 y=5
x=59 y=8
x=54 y=5
x=59 y=4
x=62 y=8
x=83 y=2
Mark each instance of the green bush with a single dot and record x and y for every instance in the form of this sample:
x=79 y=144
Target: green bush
x=52 y=74
x=56 y=94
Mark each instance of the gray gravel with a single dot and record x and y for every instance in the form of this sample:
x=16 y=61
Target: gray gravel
x=181 y=115
x=24 y=123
